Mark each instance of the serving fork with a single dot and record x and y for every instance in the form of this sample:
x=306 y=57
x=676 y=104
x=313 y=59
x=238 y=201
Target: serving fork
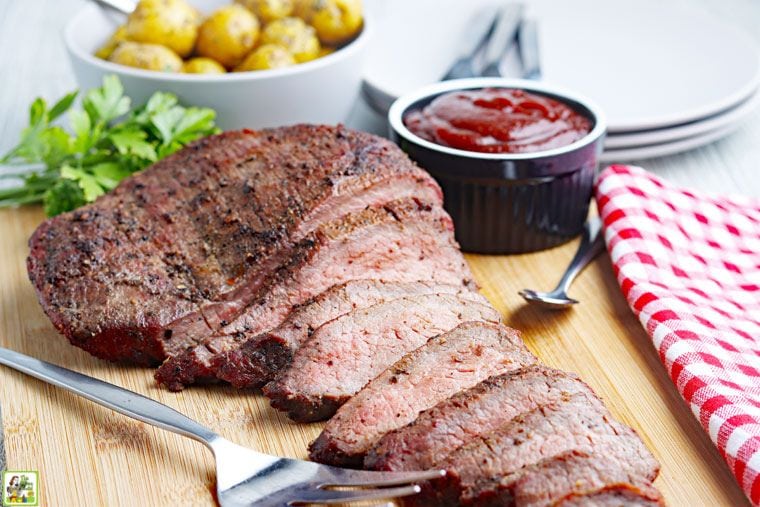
x=244 y=477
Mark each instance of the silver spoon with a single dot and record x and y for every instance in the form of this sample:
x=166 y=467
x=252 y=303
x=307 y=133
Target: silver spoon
x=592 y=244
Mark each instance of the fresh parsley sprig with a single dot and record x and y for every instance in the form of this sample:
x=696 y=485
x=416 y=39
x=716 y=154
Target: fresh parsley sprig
x=106 y=143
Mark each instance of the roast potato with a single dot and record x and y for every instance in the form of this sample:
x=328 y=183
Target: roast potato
x=266 y=56
x=336 y=21
x=202 y=65
x=171 y=23
x=268 y=10
x=325 y=50
x=106 y=49
x=294 y=35
x=146 y=56
x=228 y=35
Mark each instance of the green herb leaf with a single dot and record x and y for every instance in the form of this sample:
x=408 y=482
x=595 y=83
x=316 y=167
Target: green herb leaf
x=38 y=112
x=179 y=126
x=58 y=146
x=91 y=189
x=165 y=122
x=160 y=102
x=109 y=174
x=133 y=142
x=106 y=143
x=107 y=102
x=194 y=123
x=64 y=195
x=81 y=124
x=61 y=106
x=31 y=147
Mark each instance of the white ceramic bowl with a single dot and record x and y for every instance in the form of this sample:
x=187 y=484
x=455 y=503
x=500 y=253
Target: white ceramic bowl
x=320 y=91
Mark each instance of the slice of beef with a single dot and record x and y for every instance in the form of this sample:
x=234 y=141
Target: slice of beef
x=578 y=423
x=402 y=241
x=616 y=495
x=256 y=361
x=572 y=473
x=183 y=246
x=469 y=414
x=443 y=366
x=344 y=354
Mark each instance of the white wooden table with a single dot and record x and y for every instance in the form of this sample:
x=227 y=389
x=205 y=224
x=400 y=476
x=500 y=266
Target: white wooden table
x=33 y=62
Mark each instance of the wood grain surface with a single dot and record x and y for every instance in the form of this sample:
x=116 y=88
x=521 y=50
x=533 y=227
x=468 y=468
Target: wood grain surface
x=88 y=455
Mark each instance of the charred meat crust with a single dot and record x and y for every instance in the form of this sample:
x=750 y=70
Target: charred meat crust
x=615 y=495
x=128 y=274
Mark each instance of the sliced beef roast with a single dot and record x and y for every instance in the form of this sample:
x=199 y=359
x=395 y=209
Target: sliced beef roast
x=401 y=241
x=573 y=473
x=616 y=495
x=578 y=423
x=576 y=473
x=443 y=366
x=256 y=361
x=344 y=354
x=218 y=258
x=182 y=247
x=469 y=414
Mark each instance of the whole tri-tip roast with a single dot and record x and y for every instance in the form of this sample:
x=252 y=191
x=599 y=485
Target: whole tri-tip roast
x=179 y=251
x=318 y=262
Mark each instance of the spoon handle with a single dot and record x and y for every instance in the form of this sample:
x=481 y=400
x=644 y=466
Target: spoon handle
x=592 y=244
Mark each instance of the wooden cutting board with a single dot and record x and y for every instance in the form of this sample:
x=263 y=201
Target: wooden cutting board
x=88 y=455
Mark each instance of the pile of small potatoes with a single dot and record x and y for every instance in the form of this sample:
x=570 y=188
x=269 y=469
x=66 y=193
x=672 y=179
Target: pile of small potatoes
x=247 y=35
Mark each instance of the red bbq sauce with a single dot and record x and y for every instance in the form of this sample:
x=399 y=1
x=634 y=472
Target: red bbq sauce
x=498 y=120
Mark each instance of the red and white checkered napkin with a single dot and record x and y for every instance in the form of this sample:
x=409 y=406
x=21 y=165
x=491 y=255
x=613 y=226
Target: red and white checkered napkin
x=689 y=266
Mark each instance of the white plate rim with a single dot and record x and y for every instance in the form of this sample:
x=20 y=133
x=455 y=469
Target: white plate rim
x=695 y=114
x=663 y=149
x=659 y=136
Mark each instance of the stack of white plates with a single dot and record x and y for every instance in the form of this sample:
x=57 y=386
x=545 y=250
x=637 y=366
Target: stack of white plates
x=669 y=76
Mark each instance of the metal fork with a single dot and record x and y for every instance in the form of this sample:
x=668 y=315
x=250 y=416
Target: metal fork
x=502 y=38
x=464 y=66
x=243 y=477
x=494 y=43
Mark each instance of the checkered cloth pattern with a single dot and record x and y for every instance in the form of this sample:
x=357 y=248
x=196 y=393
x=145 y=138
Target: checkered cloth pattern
x=689 y=266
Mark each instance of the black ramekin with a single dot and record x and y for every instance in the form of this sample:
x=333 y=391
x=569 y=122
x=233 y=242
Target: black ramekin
x=508 y=202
